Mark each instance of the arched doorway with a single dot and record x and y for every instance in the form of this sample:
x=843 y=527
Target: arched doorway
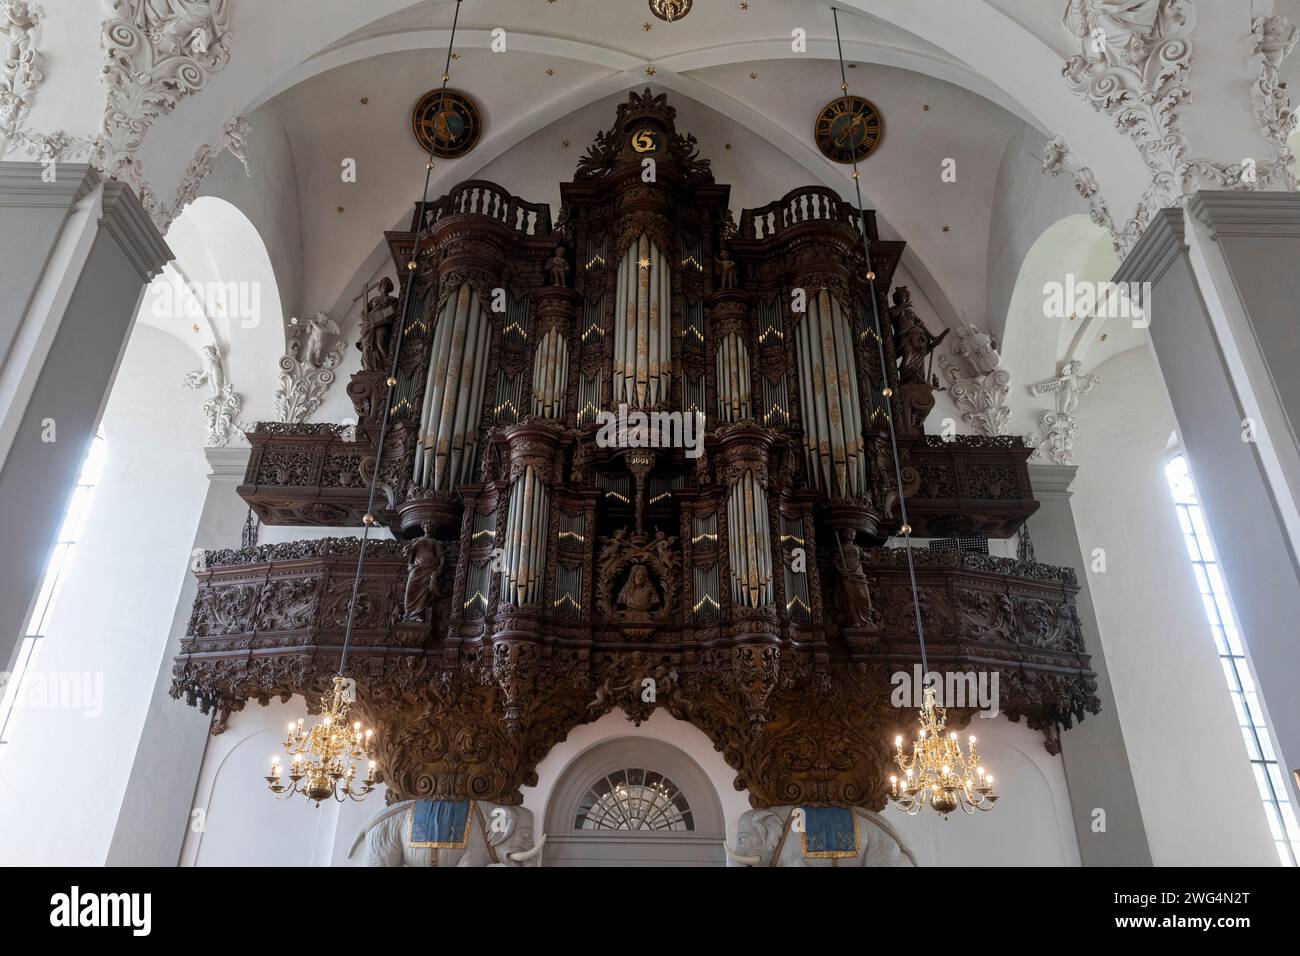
x=634 y=801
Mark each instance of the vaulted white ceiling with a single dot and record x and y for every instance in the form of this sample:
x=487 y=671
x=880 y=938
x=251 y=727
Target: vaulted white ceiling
x=733 y=77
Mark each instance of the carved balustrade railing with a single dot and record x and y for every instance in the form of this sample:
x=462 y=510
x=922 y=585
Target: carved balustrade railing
x=308 y=473
x=482 y=198
x=806 y=204
x=969 y=484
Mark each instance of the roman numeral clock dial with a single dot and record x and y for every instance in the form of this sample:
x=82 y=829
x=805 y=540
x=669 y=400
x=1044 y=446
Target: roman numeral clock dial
x=848 y=129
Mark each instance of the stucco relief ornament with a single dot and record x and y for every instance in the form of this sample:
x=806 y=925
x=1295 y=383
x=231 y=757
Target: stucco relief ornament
x=307 y=370
x=976 y=383
x=233 y=138
x=1132 y=65
x=159 y=52
x=1059 y=429
x=20 y=67
x=1274 y=39
x=1057 y=159
x=222 y=408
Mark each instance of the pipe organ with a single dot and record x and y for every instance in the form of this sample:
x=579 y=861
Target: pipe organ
x=834 y=448
x=649 y=444
x=453 y=403
x=642 y=353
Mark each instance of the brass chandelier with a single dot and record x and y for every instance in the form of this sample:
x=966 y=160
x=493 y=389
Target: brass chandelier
x=938 y=772
x=325 y=756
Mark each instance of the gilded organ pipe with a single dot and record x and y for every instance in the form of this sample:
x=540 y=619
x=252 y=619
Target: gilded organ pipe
x=453 y=396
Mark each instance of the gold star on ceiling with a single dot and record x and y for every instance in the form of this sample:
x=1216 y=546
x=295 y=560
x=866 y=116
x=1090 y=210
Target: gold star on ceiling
x=643 y=263
x=925 y=107
x=339 y=210
x=743 y=5
x=195 y=327
x=550 y=72
x=753 y=76
x=564 y=143
x=365 y=101
x=647 y=27
x=650 y=71
x=947 y=228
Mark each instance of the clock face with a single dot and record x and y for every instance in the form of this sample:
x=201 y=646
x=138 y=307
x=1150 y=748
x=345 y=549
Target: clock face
x=446 y=123
x=848 y=129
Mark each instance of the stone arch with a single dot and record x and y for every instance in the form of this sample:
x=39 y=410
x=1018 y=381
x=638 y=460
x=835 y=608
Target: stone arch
x=567 y=844
x=1033 y=342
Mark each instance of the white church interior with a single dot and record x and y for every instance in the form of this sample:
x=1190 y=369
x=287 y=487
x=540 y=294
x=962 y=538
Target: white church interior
x=559 y=433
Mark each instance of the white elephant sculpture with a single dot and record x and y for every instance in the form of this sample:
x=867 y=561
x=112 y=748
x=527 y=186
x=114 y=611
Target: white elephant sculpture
x=494 y=835
x=778 y=832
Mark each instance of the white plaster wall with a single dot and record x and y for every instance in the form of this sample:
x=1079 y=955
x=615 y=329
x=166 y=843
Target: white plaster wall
x=113 y=613
x=1026 y=202
x=235 y=819
x=1179 y=725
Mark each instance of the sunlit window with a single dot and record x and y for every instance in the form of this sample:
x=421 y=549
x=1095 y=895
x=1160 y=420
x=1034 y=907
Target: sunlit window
x=74 y=521
x=1236 y=669
x=634 y=799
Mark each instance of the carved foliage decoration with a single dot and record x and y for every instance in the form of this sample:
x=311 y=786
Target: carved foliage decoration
x=20 y=67
x=978 y=386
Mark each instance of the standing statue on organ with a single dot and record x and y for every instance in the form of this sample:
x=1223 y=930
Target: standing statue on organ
x=853 y=580
x=424 y=564
x=558 y=267
x=377 y=328
x=726 y=270
x=913 y=342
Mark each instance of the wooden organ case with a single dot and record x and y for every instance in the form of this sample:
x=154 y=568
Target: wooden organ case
x=586 y=567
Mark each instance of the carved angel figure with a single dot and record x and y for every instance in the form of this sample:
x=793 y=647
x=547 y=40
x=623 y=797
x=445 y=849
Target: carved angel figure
x=212 y=374
x=318 y=326
x=185 y=26
x=1113 y=31
x=1069 y=387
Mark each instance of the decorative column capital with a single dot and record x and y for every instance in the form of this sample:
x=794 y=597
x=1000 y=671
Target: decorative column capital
x=1052 y=481
x=21 y=184
x=127 y=221
x=1160 y=244
x=1233 y=213
x=229 y=463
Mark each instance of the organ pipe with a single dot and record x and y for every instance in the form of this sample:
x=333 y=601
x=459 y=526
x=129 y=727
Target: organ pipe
x=550 y=375
x=733 y=379
x=834 y=449
x=749 y=542
x=453 y=395
x=643 y=327
x=524 y=564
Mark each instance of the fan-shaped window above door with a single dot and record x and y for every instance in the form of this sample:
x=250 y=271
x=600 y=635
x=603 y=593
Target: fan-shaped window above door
x=634 y=799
